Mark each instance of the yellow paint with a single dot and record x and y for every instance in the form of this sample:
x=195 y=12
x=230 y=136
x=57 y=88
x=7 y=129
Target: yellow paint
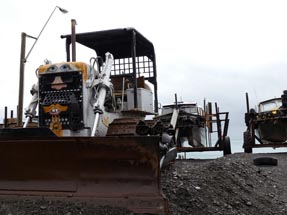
x=106 y=121
x=82 y=67
x=56 y=126
x=43 y=68
x=55 y=106
x=274 y=112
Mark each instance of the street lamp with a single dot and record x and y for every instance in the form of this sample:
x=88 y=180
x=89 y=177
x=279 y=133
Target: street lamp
x=23 y=60
x=36 y=39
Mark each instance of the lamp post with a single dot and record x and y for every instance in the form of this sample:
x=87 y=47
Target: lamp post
x=23 y=60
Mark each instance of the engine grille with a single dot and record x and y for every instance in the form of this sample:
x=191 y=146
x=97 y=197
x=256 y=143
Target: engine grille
x=68 y=94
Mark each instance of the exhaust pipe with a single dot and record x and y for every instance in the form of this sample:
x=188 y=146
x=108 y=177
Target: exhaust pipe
x=73 y=38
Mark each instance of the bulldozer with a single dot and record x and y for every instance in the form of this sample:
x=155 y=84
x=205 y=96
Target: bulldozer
x=83 y=137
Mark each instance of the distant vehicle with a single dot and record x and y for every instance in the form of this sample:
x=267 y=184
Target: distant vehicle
x=267 y=125
x=193 y=125
x=190 y=124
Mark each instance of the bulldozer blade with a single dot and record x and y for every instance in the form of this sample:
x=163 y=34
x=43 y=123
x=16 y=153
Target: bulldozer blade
x=120 y=171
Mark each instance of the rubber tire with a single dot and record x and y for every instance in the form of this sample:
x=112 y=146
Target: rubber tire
x=246 y=141
x=226 y=146
x=265 y=161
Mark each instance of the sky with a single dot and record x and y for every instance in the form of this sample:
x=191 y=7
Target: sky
x=209 y=49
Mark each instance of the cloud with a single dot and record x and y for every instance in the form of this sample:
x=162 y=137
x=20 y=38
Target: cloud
x=216 y=50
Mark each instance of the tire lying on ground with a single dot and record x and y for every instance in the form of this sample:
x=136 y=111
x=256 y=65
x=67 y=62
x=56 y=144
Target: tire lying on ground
x=266 y=161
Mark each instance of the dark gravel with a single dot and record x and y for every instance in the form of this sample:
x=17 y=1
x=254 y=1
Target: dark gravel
x=227 y=185
x=45 y=207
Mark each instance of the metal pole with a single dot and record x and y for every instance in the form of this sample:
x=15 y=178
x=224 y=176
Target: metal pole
x=36 y=39
x=73 y=40
x=175 y=97
x=5 y=118
x=247 y=102
x=219 y=131
x=23 y=60
x=21 y=79
x=134 y=69
x=40 y=33
x=155 y=85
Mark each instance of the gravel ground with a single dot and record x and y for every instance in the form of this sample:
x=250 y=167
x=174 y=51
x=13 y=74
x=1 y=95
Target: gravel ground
x=227 y=185
x=44 y=207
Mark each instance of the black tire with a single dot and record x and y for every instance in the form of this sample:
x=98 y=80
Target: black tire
x=247 y=142
x=265 y=161
x=226 y=146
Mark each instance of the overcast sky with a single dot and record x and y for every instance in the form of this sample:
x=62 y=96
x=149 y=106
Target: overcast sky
x=217 y=50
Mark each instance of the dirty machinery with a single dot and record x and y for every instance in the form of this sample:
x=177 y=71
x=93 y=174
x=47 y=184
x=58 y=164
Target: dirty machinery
x=267 y=124
x=86 y=144
x=194 y=126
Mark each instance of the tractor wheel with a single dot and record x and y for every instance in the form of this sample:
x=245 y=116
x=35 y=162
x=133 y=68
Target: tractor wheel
x=226 y=146
x=247 y=142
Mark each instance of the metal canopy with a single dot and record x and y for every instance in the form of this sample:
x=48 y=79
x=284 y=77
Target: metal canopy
x=116 y=41
x=123 y=43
